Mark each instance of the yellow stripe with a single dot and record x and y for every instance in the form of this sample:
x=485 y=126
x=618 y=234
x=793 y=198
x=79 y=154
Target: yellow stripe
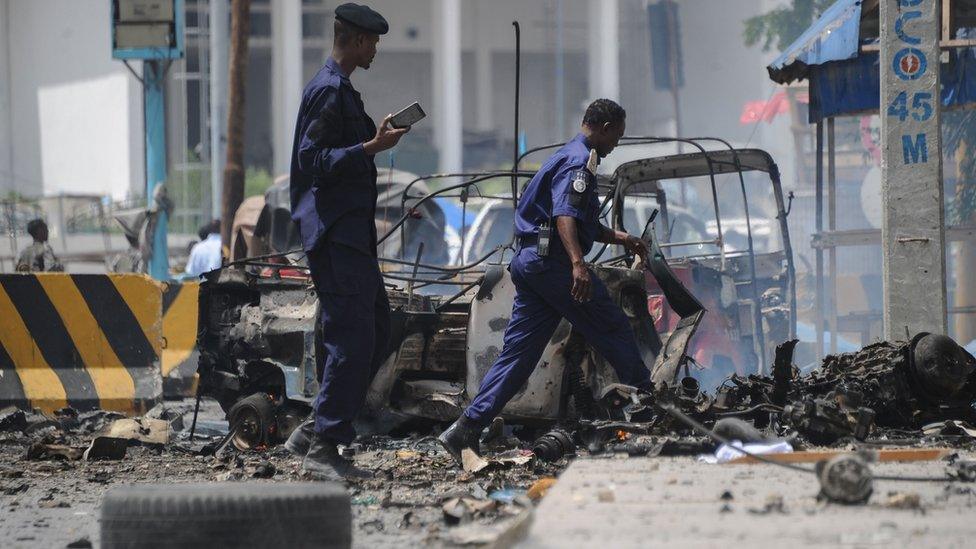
x=41 y=385
x=180 y=327
x=144 y=298
x=113 y=383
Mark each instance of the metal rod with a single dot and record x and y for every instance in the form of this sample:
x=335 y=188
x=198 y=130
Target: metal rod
x=515 y=143
x=464 y=222
x=416 y=265
x=454 y=297
x=427 y=197
x=831 y=225
x=818 y=299
x=426 y=281
x=196 y=412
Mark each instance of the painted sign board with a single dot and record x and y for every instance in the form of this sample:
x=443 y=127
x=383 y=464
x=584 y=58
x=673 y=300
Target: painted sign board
x=913 y=229
x=147 y=29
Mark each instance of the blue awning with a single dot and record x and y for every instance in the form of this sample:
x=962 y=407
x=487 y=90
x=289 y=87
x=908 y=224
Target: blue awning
x=845 y=81
x=833 y=37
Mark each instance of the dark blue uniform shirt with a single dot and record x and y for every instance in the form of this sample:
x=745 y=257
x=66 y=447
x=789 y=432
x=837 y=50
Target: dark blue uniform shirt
x=333 y=180
x=562 y=187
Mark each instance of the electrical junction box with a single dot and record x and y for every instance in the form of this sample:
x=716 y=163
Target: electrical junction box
x=147 y=29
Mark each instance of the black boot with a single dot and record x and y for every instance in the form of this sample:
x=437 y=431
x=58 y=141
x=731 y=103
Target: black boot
x=323 y=460
x=463 y=433
x=300 y=439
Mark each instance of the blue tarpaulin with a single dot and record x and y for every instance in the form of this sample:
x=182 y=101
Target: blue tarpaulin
x=833 y=37
x=845 y=81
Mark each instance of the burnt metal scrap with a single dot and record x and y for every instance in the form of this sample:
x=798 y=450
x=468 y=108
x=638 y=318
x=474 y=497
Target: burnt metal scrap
x=884 y=391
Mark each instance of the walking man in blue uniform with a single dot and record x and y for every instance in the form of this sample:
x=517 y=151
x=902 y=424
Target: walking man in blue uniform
x=333 y=200
x=551 y=279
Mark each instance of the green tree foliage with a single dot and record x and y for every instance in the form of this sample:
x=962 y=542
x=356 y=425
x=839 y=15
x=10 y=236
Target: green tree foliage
x=784 y=24
x=256 y=181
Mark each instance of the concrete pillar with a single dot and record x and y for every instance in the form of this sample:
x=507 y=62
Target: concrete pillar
x=604 y=55
x=913 y=227
x=286 y=70
x=219 y=44
x=447 y=84
x=7 y=182
x=484 y=86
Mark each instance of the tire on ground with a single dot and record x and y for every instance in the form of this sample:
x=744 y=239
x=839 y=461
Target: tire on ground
x=260 y=426
x=211 y=515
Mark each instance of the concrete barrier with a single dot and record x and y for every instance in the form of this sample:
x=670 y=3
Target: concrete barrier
x=180 y=355
x=84 y=341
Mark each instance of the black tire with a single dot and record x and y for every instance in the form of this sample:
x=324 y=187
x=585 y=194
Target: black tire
x=232 y=515
x=252 y=420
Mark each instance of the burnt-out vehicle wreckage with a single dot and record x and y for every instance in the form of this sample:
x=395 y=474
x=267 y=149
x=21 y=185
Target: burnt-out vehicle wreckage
x=257 y=332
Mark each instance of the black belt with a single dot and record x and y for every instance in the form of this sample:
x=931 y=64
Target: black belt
x=527 y=240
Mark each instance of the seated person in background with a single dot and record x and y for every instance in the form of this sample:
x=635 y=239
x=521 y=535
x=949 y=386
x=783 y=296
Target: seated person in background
x=39 y=256
x=206 y=254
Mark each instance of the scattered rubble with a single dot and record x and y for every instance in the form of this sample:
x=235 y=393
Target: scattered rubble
x=43 y=450
x=963 y=470
x=539 y=489
x=846 y=405
x=141 y=430
x=82 y=455
x=903 y=500
x=109 y=448
x=774 y=504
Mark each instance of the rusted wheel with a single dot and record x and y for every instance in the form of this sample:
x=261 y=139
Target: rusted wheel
x=252 y=422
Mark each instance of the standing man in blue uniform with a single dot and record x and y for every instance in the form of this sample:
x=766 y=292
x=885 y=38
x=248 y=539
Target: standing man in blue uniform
x=556 y=283
x=333 y=200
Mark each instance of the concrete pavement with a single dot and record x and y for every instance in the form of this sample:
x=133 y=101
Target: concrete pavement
x=677 y=502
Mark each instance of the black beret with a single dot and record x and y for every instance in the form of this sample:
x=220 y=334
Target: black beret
x=363 y=17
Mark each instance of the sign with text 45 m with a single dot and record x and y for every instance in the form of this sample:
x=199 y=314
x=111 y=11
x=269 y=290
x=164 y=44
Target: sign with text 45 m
x=914 y=147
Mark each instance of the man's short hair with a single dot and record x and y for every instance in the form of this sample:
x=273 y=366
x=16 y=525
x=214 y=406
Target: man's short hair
x=345 y=33
x=603 y=111
x=34 y=226
x=213 y=227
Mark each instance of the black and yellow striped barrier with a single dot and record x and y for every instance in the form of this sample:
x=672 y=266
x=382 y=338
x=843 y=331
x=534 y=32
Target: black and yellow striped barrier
x=84 y=341
x=180 y=355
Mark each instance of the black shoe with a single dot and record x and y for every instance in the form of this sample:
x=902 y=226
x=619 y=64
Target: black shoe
x=463 y=433
x=323 y=459
x=300 y=439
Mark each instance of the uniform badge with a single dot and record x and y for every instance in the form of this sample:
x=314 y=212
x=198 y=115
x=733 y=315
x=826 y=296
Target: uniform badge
x=579 y=181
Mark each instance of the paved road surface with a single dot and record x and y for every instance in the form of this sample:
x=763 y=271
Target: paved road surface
x=677 y=502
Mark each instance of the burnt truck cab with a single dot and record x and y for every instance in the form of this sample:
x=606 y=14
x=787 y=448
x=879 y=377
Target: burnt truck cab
x=258 y=335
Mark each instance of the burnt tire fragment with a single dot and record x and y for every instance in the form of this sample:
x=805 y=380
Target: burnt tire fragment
x=252 y=421
x=238 y=515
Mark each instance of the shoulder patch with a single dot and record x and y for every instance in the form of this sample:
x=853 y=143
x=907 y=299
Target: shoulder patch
x=580 y=181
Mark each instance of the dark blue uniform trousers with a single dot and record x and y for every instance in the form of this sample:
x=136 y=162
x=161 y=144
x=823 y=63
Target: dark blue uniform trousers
x=355 y=318
x=542 y=298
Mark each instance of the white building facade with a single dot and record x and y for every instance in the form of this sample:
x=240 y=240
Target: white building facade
x=71 y=116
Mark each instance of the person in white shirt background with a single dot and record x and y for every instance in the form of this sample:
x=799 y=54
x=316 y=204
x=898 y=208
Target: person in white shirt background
x=205 y=255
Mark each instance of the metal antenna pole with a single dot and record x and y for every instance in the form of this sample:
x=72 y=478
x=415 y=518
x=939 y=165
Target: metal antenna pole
x=515 y=142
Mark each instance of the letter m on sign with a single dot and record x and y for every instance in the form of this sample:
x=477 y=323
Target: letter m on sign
x=915 y=151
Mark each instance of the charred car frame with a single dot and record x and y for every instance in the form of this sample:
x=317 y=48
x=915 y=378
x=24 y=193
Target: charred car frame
x=258 y=331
